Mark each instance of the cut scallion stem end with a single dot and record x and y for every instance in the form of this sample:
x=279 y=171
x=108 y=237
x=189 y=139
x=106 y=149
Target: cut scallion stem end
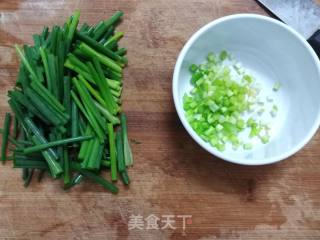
x=76 y=180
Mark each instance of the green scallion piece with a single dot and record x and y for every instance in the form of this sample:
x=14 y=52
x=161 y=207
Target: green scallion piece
x=74 y=60
x=90 y=52
x=88 y=153
x=66 y=104
x=98 y=47
x=121 y=51
x=90 y=119
x=95 y=156
x=54 y=166
x=98 y=33
x=75 y=180
x=15 y=127
x=93 y=92
x=84 y=144
x=13 y=140
x=49 y=113
x=112 y=152
x=106 y=163
x=115 y=38
x=92 y=112
x=24 y=101
x=96 y=178
x=26 y=63
x=5 y=135
x=116 y=93
x=74 y=120
x=111 y=118
x=107 y=35
x=29 y=164
x=28 y=179
x=104 y=88
x=47 y=96
x=120 y=159
x=126 y=146
x=41 y=147
x=66 y=167
x=73 y=27
x=44 y=58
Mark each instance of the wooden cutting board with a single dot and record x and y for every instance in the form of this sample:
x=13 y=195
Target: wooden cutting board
x=172 y=174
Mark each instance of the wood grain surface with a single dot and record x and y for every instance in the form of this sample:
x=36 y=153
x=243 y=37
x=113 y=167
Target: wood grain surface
x=172 y=174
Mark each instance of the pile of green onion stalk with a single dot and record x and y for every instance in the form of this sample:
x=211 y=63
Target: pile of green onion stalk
x=66 y=106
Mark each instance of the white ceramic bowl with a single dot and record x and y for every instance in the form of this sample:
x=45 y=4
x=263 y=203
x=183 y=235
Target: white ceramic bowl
x=271 y=51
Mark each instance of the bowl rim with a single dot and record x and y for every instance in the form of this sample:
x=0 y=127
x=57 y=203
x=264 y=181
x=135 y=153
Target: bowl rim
x=180 y=110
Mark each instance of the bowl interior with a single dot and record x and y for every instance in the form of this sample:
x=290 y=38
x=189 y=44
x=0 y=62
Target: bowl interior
x=271 y=52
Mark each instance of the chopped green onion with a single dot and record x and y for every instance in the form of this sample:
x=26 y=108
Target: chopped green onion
x=274 y=111
x=269 y=99
x=276 y=86
x=217 y=106
x=247 y=146
x=265 y=139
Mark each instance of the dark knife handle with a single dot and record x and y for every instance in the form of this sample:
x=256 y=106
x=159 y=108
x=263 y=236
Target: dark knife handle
x=314 y=41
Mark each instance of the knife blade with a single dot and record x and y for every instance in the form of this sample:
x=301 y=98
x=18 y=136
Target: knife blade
x=301 y=15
